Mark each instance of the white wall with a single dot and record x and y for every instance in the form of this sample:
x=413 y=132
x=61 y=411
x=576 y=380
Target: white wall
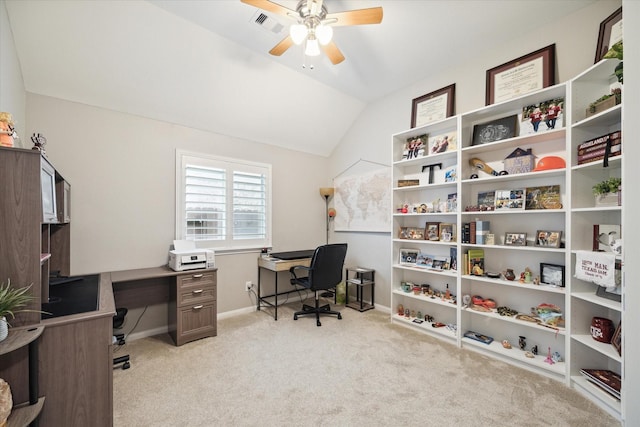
x=122 y=174
x=575 y=37
x=12 y=95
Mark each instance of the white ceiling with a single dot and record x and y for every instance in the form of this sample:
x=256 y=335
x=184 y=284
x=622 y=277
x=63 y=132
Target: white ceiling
x=204 y=64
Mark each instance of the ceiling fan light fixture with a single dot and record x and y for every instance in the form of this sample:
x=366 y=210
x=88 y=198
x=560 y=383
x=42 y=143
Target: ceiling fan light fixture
x=312 y=48
x=298 y=33
x=324 y=33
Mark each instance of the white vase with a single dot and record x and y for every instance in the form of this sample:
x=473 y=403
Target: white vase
x=607 y=199
x=4 y=328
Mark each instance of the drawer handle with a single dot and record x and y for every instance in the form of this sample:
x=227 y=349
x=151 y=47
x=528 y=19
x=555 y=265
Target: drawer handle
x=198 y=307
x=197 y=276
x=197 y=291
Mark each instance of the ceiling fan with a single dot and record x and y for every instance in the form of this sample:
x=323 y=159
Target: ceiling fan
x=314 y=25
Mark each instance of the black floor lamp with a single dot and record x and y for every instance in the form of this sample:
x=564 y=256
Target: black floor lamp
x=327 y=192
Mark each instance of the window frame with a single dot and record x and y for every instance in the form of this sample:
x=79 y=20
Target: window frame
x=230 y=165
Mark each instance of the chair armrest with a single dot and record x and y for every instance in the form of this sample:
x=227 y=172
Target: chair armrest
x=293 y=270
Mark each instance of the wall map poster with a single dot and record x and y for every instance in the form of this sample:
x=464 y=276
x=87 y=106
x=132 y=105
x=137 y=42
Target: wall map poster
x=363 y=202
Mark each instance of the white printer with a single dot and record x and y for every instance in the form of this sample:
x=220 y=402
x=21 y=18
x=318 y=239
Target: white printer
x=186 y=256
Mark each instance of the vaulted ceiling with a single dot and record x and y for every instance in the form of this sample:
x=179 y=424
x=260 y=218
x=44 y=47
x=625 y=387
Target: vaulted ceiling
x=205 y=64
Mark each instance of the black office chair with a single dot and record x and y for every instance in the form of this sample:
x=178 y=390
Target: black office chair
x=325 y=272
x=118 y=321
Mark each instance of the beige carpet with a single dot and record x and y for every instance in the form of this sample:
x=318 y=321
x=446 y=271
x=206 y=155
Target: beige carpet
x=354 y=371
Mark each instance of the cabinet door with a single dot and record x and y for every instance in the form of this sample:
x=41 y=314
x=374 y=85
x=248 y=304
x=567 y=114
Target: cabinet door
x=195 y=322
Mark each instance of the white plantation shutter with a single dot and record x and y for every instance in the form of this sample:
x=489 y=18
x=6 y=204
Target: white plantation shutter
x=222 y=203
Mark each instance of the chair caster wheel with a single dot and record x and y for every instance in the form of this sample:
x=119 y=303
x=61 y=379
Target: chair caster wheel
x=339 y=316
x=295 y=317
x=318 y=323
x=126 y=365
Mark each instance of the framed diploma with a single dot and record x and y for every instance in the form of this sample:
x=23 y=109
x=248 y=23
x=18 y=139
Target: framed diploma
x=610 y=33
x=522 y=75
x=434 y=106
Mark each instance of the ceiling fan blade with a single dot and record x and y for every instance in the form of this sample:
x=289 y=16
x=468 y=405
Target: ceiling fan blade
x=270 y=6
x=333 y=53
x=356 y=17
x=282 y=47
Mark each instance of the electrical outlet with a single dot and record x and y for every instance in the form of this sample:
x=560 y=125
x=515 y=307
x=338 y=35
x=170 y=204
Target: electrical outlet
x=248 y=286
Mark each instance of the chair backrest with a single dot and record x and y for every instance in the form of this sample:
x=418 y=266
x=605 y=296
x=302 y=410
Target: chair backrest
x=325 y=271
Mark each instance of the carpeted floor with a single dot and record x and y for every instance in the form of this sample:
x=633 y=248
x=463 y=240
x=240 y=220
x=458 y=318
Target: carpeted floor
x=354 y=371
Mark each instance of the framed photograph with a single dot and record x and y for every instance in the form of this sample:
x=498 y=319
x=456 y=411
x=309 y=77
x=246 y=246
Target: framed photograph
x=515 y=239
x=443 y=143
x=411 y=233
x=424 y=260
x=549 y=239
x=486 y=200
x=601 y=291
x=542 y=117
x=447 y=232
x=522 y=75
x=610 y=33
x=409 y=256
x=552 y=274
x=546 y=197
x=616 y=340
x=415 y=147
x=495 y=130
x=433 y=106
x=432 y=231
x=509 y=199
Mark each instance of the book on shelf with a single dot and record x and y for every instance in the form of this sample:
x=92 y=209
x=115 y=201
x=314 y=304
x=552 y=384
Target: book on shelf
x=466 y=233
x=453 y=254
x=472 y=232
x=607 y=380
x=597 y=148
x=482 y=229
x=476 y=262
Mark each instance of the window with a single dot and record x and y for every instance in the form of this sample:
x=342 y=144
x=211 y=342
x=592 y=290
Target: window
x=222 y=203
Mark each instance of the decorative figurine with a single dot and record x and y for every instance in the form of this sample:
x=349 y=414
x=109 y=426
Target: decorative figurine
x=522 y=342
x=549 y=359
x=419 y=315
x=400 y=310
x=506 y=344
x=534 y=349
x=407 y=312
x=466 y=300
x=556 y=357
x=509 y=274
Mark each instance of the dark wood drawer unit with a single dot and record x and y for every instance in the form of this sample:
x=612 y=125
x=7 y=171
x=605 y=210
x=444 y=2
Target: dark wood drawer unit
x=192 y=308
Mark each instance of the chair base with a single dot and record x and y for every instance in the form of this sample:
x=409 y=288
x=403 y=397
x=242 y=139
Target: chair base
x=308 y=310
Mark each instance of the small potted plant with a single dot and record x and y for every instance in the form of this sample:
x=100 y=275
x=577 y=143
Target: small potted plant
x=12 y=301
x=606 y=192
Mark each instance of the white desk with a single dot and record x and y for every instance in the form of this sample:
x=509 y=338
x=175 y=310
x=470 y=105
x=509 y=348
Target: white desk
x=276 y=265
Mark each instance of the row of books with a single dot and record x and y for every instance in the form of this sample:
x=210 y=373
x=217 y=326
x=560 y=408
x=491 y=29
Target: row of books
x=473 y=262
x=607 y=380
x=596 y=149
x=475 y=232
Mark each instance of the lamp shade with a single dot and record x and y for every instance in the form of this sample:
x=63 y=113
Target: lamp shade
x=312 y=49
x=298 y=33
x=326 y=191
x=324 y=33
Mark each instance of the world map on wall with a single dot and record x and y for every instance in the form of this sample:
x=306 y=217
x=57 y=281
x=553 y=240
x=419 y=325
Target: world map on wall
x=363 y=202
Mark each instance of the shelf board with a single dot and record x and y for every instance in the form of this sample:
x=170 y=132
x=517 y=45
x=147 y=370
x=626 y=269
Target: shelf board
x=421 y=297
x=19 y=337
x=424 y=326
x=601 y=347
x=450 y=273
x=516 y=142
x=24 y=414
x=517 y=284
x=604 y=118
x=517 y=355
x=422 y=241
x=515 y=248
x=585 y=386
x=515 y=211
x=614 y=163
x=595 y=299
x=419 y=160
x=44 y=257
x=402 y=215
x=495 y=315
x=516 y=177
x=426 y=186
x=598 y=209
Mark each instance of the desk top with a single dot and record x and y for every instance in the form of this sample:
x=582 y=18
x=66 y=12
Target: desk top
x=275 y=264
x=151 y=273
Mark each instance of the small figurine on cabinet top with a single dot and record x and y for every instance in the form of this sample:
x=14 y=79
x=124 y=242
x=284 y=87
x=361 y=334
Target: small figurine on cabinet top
x=39 y=141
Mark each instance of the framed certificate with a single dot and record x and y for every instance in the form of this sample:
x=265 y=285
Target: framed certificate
x=610 y=33
x=434 y=106
x=522 y=75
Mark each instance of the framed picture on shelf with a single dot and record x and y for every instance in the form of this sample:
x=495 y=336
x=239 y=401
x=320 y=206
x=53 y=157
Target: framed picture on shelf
x=602 y=292
x=616 y=340
x=447 y=232
x=441 y=263
x=522 y=75
x=432 y=231
x=424 y=260
x=515 y=239
x=546 y=197
x=411 y=233
x=495 y=130
x=486 y=199
x=552 y=274
x=434 y=106
x=610 y=33
x=452 y=202
x=415 y=147
x=408 y=256
x=443 y=143
x=542 y=117
x=509 y=199
x=549 y=239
